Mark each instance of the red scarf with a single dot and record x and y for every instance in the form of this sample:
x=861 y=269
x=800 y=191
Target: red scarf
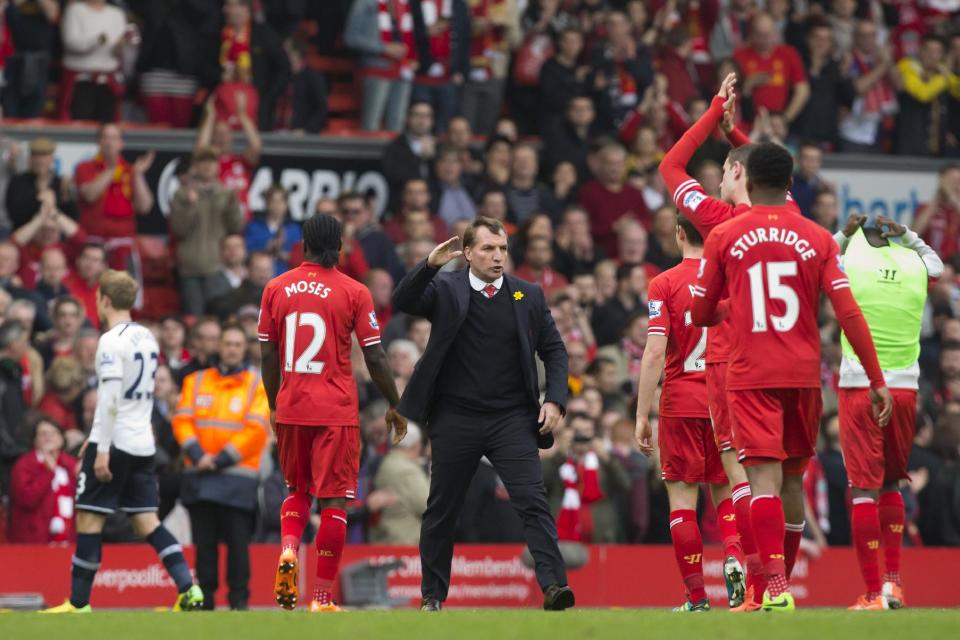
x=118 y=198
x=880 y=98
x=441 y=45
x=61 y=524
x=581 y=488
x=26 y=380
x=235 y=50
x=485 y=46
x=396 y=25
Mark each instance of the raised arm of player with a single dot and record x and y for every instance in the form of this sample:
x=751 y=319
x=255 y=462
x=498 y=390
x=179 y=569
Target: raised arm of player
x=673 y=166
x=837 y=287
x=707 y=310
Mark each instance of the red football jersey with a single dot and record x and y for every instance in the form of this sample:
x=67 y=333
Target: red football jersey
x=670 y=296
x=706 y=213
x=236 y=174
x=773 y=262
x=310 y=312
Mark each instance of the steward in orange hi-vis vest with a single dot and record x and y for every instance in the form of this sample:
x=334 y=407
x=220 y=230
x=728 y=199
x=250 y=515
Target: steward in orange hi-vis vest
x=223 y=414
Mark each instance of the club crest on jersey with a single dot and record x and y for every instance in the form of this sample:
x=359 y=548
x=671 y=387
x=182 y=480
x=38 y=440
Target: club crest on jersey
x=693 y=199
x=654 y=308
x=204 y=400
x=703 y=266
x=373 y=320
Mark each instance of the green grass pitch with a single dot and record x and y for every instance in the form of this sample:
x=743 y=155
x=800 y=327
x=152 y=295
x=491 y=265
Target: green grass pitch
x=583 y=624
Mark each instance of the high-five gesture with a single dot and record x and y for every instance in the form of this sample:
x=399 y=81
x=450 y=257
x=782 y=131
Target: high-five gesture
x=444 y=253
x=730 y=102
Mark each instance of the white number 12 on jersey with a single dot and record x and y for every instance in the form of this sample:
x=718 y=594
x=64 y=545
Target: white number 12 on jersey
x=777 y=290
x=305 y=363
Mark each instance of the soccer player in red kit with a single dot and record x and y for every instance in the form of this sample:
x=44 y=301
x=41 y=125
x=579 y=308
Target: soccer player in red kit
x=706 y=212
x=308 y=317
x=773 y=263
x=688 y=451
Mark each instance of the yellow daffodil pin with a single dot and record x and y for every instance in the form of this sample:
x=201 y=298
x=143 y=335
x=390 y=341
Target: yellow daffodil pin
x=518 y=295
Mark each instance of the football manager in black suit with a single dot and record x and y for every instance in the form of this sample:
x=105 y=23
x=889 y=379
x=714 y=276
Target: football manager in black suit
x=476 y=390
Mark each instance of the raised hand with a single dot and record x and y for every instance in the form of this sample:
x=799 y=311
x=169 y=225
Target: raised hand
x=727 y=86
x=894 y=229
x=142 y=164
x=444 y=253
x=854 y=222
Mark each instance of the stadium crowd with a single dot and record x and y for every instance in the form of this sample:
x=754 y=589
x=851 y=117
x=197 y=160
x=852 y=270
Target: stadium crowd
x=869 y=76
x=588 y=216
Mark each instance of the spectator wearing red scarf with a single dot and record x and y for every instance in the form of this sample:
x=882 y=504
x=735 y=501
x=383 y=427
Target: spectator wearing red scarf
x=381 y=31
x=112 y=192
x=442 y=31
x=496 y=32
x=623 y=69
x=583 y=481
x=42 y=487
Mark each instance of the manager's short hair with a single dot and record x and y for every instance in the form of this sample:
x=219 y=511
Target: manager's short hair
x=493 y=226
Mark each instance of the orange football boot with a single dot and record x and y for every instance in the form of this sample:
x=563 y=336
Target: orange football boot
x=878 y=603
x=748 y=603
x=285 y=586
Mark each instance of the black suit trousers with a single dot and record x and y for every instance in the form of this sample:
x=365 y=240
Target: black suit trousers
x=459 y=439
x=210 y=524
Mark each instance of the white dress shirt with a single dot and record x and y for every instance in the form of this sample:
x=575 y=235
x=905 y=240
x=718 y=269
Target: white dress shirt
x=479 y=285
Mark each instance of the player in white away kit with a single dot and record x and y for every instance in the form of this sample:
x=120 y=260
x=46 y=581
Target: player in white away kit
x=117 y=471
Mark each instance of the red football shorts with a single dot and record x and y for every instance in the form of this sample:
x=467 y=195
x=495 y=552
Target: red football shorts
x=321 y=461
x=688 y=452
x=875 y=455
x=776 y=424
x=717 y=402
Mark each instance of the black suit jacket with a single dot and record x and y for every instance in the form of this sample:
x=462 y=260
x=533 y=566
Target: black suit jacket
x=444 y=299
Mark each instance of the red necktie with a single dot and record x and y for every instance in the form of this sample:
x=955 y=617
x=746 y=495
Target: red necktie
x=490 y=290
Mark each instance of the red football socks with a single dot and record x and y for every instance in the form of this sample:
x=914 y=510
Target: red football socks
x=766 y=516
x=330 y=540
x=294 y=515
x=791 y=545
x=755 y=575
x=688 y=548
x=892 y=518
x=865 y=522
x=727 y=523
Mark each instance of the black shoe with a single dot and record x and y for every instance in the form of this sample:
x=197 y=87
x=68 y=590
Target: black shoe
x=430 y=604
x=557 y=598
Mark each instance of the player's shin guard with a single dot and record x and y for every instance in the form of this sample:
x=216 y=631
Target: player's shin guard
x=294 y=515
x=330 y=540
x=171 y=553
x=727 y=522
x=766 y=516
x=892 y=519
x=688 y=549
x=755 y=573
x=86 y=561
x=791 y=544
x=865 y=523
